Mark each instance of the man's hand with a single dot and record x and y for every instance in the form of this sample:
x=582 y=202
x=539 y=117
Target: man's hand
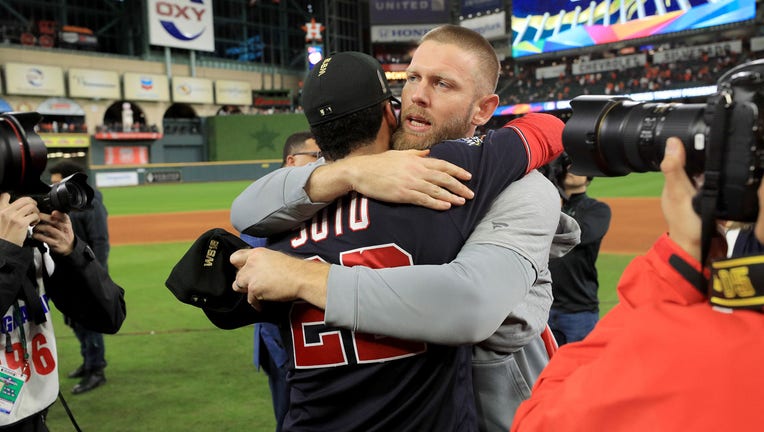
x=16 y=218
x=676 y=201
x=269 y=275
x=408 y=177
x=56 y=230
x=759 y=228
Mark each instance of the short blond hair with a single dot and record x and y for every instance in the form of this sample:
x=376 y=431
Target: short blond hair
x=474 y=44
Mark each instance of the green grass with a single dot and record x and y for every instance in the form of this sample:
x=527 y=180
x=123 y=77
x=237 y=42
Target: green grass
x=632 y=185
x=169 y=368
x=609 y=268
x=180 y=197
x=168 y=198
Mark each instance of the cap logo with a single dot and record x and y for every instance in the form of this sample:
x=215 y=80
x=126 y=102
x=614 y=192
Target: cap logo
x=209 y=259
x=325 y=111
x=324 y=64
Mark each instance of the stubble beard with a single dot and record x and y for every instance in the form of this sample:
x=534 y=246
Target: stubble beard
x=455 y=127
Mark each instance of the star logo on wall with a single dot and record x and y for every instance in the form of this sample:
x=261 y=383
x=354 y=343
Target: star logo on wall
x=264 y=139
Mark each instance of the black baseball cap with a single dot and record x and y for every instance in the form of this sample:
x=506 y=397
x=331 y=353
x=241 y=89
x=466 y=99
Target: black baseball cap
x=342 y=84
x=204 y=278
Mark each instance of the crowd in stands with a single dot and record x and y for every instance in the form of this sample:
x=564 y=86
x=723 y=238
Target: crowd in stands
x=518 y=83
x=61 y=127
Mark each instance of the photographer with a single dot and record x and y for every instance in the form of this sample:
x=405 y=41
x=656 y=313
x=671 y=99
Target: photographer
x=575 y=308
x=51 y=263
x=663 y=359
x=90 y=225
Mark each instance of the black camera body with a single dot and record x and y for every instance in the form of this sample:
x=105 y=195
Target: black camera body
x=556 y=170
x=723 y=138
x=23 y=157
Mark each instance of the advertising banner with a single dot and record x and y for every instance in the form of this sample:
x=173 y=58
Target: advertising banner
x=233 y=93
x=400 y=33
x=66 y=140
x=490 y=26
x=717 y=49
x=95 y=84
x=34 y=80
x=192 y=90
x=184 y=24
x=615 y=63
x=146 y=87
x=60 y=106
x=126 y=155
x=553 y=72
x=757 y=43
x=409 y=11
x=116 y=178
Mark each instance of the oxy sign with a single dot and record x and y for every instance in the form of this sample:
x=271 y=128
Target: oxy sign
x=181 y=24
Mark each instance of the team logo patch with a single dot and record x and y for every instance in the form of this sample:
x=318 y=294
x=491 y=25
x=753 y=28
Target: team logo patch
x=473 y=141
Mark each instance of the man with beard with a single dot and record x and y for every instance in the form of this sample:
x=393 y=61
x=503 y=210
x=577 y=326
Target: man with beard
x=453 y=69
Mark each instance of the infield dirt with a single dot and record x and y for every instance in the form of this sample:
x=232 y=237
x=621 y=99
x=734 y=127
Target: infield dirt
x=636 y=224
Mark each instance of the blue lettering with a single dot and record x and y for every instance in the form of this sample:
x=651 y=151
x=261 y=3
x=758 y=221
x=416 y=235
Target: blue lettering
x=24 y=315
x=44 y=301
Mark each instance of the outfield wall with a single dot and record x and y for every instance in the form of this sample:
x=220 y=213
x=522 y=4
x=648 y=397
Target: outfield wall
x=248 y=137
x=132 y=175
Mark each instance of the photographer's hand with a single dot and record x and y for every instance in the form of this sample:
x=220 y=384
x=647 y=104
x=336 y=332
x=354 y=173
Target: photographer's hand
x=759 y=227
x=56 y=230
x=16 y=218
x=684 y=224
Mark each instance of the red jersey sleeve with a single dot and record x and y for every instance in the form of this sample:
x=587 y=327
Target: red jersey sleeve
x=542 y=136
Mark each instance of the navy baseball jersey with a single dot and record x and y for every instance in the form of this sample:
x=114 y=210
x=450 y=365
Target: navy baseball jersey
x=342 y=380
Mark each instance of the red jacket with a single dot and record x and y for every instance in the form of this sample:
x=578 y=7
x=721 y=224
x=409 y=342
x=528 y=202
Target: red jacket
x=662 y=360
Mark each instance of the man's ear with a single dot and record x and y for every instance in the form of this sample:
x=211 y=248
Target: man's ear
x=290 y=161
x=390 y=115
x=485 y=108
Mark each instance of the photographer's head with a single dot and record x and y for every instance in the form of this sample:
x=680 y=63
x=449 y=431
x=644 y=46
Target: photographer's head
x=348 y=101
x=685 y=229
x=64 y=169
x=449 y=89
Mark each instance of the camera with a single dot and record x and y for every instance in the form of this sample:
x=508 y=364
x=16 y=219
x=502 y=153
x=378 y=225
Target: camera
x=723 y=138
x=23 y=157
x=556 y=170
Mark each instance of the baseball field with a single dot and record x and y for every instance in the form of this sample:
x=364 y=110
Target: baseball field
x=169 y=369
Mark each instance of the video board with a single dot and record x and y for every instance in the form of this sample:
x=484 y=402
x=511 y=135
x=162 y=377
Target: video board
x=545 y=26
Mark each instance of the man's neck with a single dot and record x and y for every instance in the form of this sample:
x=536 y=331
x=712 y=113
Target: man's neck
x=378 y=146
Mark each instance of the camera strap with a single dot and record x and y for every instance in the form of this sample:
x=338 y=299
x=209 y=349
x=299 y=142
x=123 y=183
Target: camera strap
x=30 y=290
x=712 y=175
x=734 y=283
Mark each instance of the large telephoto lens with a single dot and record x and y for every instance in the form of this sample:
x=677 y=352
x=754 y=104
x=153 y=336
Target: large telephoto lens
x=613 y=136
x=23 y=155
